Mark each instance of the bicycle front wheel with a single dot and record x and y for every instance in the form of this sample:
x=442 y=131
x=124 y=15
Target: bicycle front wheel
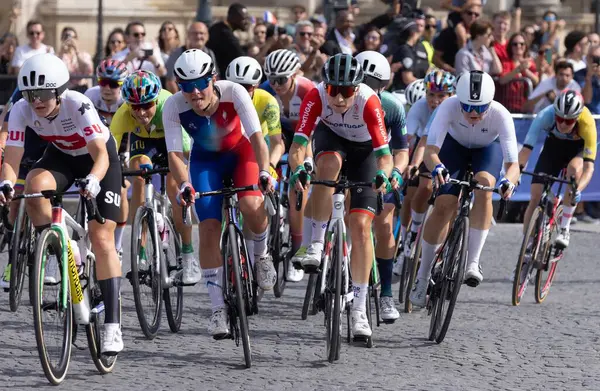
x=173 y=296
x=52 y=316
x=18 y=256
x=525 y=263
x=333 y=295
x=548 y=261
x=308 y=295
x=145 y=276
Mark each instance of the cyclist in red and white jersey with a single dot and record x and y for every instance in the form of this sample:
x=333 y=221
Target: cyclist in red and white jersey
x=351 y=129
x=106 y=96
x=80 y=147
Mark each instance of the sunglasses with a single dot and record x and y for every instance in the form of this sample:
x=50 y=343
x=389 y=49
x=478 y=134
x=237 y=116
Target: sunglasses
x=36 y=33
x=137 y=35
x=41 y=95
x=479 y=109
x=372 y=37
x=345 y=91
x=143 y=106
x=281 y=80
x=305 y=34
x=110 y=83
x=518 y=43
x=167 y=29
x=566 y=121
x=116 y=42
x=475 y=14
x=198 y=84
x=430 y=27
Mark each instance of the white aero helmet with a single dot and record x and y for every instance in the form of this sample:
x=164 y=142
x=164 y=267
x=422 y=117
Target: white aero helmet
x=244 y=70
x=569 y=104
x=43 y=72
x=193 y=64
x=376 y=67
x=414 y=91
x=475 y=88
x=282 y=62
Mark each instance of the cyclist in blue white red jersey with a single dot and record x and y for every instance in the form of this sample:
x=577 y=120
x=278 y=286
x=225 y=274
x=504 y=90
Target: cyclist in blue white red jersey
x=227 y=143
x=465 y=131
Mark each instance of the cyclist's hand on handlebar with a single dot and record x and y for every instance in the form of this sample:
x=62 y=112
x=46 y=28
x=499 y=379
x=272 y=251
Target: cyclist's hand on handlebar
x=309 y=164
x=92 y=187
x=273 y=172
x=381 y=177
x=266 y=182
x=440 y=174
x=396 y=178
x=505 y=188
x=576 y=197
x=190 y=194
x=7 y=191
x=295 y=178
x=124 y=158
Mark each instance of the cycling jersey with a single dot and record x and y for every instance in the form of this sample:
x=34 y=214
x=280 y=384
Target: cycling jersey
x=364 y=121
x=496 y=123
x=302 y=86
x=76 y=124
x=585 y=129
x=268 y=112
x=419 y=116
x=124 y=123
x=395 y=120
x=101 y=107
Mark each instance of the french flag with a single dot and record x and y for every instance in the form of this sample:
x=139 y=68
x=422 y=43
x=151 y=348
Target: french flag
x=268 y=17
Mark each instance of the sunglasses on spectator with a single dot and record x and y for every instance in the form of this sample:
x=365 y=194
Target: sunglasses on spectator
x=566 y=121
x=281 y=80
x=518 y=43
x=191 y=85
x=471 y=13
x=137 y=35
x=116 y=42
x=143 y=106
x=430 y=26
x=110 y=83
x=479 y=109
x=305 y=34
x=345 y=91
x=41 y=95
x=36 y=33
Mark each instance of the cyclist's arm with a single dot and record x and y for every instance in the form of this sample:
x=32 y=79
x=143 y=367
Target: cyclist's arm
x=438 y=129
x=15 y=146
x=245 y=109
x=276 y=144
x=399 y=140
x=310 y=109
x=541 y=122
x=97 y=150
x=587 y=131
x=174 y=141
x=373 y=116
x=419 y=152
x=508 y=142
x=276 y=149
x=94 y=133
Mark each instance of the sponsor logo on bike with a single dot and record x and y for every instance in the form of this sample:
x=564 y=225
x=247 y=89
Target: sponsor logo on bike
x=77 y=292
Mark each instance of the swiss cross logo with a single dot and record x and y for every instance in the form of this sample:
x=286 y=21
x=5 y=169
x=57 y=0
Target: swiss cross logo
x=474 y=95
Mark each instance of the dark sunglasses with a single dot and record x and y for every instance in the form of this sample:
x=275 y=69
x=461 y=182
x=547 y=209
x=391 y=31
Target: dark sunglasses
x=43 y=95
x=116 y=42
x=518 y=43
x=305 y=34
x=471 y=13
x=345 y=91
x=281 y=80
x=431 y=26
x=566 y=121
x=32 y=33
x=137 y=35
x=479 y=109
x=143 y=106
x=198 y=84
x=110 y=83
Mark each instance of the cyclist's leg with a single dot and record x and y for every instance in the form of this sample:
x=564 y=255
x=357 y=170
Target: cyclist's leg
x=122 y=219
x=141 y=150
x=574 y=169
x=420 y=201
x=384 y=254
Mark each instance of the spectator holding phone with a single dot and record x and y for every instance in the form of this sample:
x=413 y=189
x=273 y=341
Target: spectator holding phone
x=478 y=55
x=139 y=53
x=78 y=62
x=589 y=79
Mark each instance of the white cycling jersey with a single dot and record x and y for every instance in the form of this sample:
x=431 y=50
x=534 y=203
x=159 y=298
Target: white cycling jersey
x=101 y=107
x=496 y=123
x=76 y=124
x=417 y=118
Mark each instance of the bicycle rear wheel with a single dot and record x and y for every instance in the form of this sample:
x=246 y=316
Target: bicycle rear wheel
x=308 y=295
x=173 y=296
x=18 y=256
x=525 y=262
x=145 y=278
x=53 y=320
x=333 y=296
x=549 y=261
x=454 y=273
x=241 y=295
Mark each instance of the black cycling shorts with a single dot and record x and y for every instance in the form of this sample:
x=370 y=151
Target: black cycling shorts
x=359 y=160
x=556 y=155
x=66 y=168
x=148 y=147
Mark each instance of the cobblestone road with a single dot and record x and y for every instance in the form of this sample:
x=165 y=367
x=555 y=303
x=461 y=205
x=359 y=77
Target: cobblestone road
x=490 y=345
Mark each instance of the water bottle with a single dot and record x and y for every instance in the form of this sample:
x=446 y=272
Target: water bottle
x=80 y=301
x=76 y=253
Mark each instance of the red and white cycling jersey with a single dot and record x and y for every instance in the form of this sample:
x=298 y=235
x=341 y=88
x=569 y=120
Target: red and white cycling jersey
x=103 y=109
x=292 y=111
x=76 y=124
x=364 y=120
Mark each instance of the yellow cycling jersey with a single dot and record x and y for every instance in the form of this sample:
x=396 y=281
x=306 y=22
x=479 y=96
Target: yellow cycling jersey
x=268 y=112
x=586 y=130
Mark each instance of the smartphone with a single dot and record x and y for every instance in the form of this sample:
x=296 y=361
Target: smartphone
x=281 y=31
x=596 y=60
x=548 y=55
x=270 y=30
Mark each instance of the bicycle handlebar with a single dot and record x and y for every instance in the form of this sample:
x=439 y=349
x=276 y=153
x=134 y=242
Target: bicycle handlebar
x=146 y=173
x=549 y=179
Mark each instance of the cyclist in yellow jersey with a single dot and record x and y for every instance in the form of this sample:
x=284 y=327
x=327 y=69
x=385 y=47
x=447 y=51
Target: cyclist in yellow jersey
x=140 y=121
x=248 y=72
x=571 y=143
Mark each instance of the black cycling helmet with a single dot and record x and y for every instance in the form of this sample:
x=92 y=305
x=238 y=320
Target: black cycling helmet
x=342 y=70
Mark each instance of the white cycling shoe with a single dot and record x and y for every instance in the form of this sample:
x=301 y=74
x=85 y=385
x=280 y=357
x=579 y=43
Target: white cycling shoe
x=473 y=275
x=191 y=272
x=266 y=276
x=389 y=313
x=293 y=274
x=112 y=339
x=418 y=295
x=313 y=255
x=360 y=324
x=397 y=268
x=218 y=325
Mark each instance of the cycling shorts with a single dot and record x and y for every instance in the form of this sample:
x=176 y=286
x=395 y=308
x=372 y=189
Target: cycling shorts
x=556 y=155
x=208 y=170
x=66 y=168
x=141 y=146
x=359 y=162
x=33 y=150
x=457 y=157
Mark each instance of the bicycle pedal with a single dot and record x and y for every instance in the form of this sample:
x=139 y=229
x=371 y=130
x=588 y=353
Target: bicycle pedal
x=297 y=265
x=6 y=289
x=472 y=282
x=220 y=337
x=310 y=269
x=388 y=321
x=360 y=338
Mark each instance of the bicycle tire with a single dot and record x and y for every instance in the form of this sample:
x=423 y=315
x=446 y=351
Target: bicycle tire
x=370 y=314
x=543 y=280
x=308 y=295
x=241 y=301
x=104 y=363
x=173 y=310
x=415 y=263
x=149 y=327
x=531 y=232
x=335 y=296
x=276 y=246
x=54 y=373
x=18 y=256
x=454 y=273
x=434 y=304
